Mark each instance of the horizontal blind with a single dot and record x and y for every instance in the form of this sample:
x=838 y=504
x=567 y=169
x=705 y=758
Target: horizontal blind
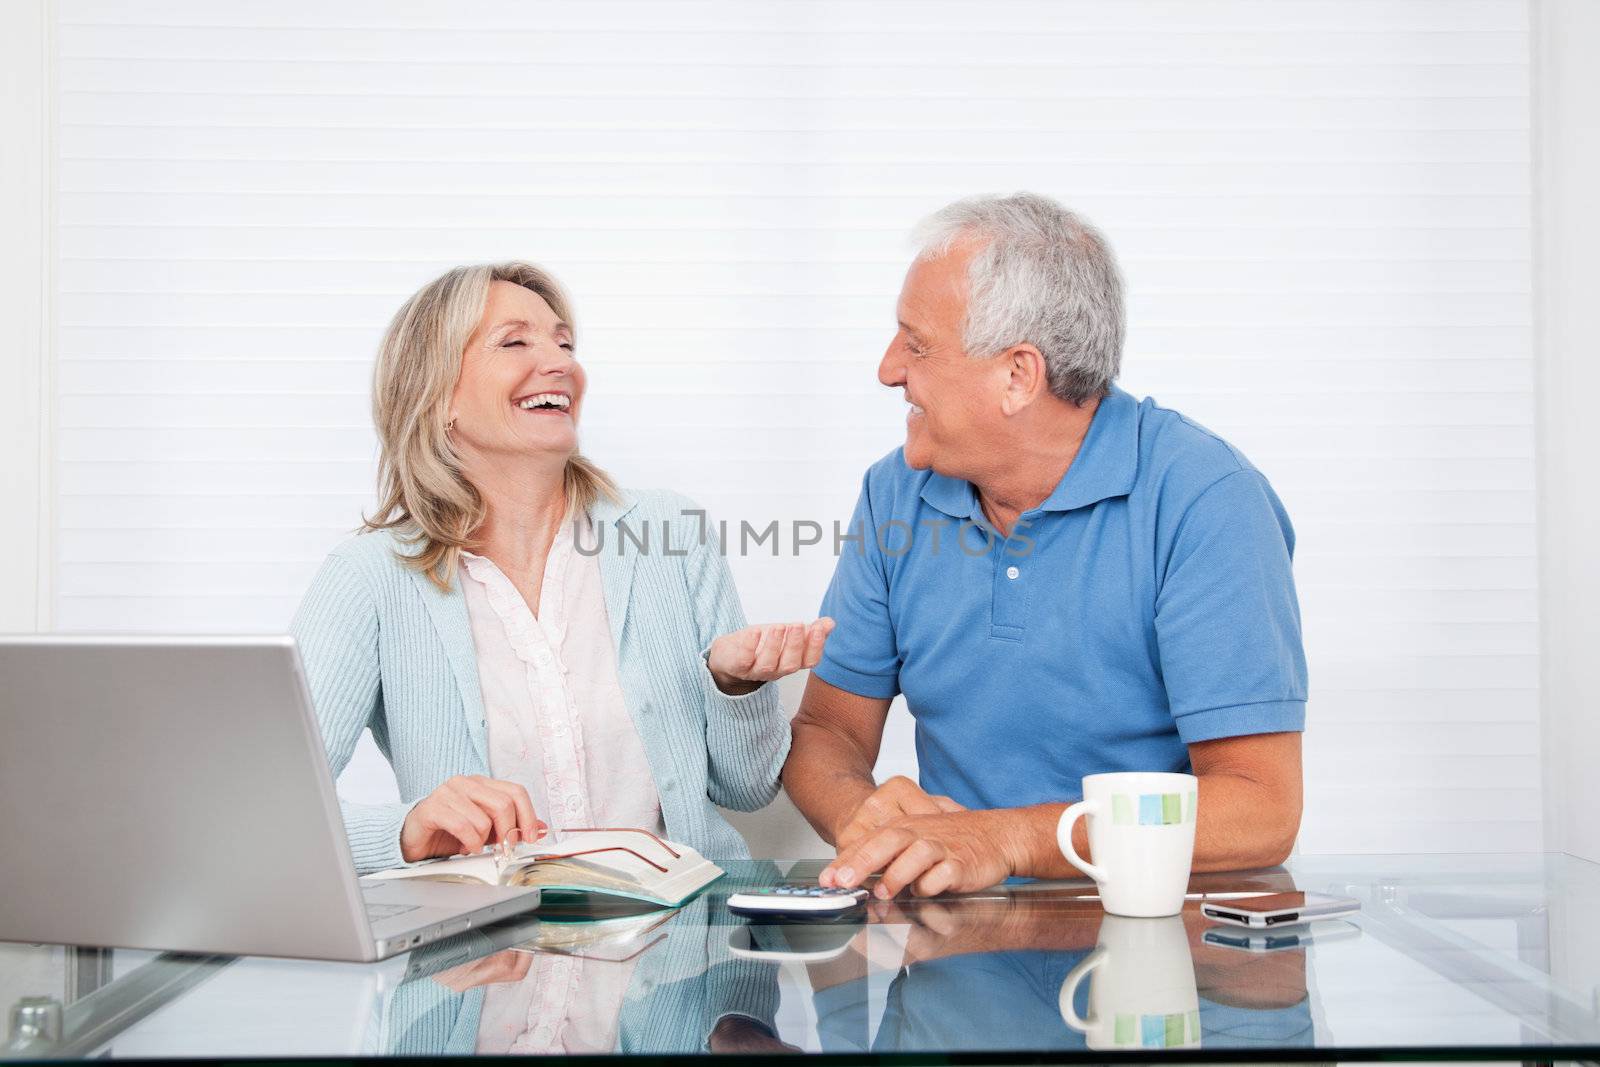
x=1322 y=209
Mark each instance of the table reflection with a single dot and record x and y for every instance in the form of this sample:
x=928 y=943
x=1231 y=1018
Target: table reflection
x=1013 y=971
x=1033 y=973
x=662 y=983
x=1450 y=957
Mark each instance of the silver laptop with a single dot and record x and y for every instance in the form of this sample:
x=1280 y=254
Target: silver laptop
x=173 y=793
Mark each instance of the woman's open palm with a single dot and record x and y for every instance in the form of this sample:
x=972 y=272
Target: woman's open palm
x=769 y=651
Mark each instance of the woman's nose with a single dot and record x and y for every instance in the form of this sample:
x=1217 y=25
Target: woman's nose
x=560 y=362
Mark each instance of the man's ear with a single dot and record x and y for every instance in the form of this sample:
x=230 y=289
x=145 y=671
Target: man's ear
x=1027 y=377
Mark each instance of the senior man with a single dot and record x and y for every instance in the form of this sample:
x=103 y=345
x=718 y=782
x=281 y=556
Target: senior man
x=1061 y=579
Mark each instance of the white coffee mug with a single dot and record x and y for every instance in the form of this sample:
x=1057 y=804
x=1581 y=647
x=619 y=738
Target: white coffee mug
x=1141 y=832
x=1143 y=993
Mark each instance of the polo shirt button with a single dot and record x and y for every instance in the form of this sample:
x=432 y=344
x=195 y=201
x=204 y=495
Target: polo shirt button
x=1012 y=572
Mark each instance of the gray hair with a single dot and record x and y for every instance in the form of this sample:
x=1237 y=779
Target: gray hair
x=1044 y=276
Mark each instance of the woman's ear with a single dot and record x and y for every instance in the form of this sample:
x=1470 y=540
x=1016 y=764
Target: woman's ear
x=1027 y=377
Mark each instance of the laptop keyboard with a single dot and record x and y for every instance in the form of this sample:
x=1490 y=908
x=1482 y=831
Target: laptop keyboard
x=375 y=912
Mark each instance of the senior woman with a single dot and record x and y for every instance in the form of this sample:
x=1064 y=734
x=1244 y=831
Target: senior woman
x=512 y=675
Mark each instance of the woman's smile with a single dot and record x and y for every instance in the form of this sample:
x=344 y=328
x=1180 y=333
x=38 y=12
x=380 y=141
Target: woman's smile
x=548 y=403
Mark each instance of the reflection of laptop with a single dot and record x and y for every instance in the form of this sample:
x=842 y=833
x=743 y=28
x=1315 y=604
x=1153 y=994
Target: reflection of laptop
x=217 y=1013
x=173 y=793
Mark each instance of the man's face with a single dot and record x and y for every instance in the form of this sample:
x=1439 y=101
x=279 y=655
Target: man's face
x=955 y=400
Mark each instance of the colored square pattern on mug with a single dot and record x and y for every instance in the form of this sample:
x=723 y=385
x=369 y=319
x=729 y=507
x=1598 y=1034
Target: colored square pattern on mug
x=1152 y=809
x=1157 y=1031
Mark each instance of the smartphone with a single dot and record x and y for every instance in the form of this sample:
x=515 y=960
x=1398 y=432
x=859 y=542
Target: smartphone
x=1279 y=909
x=1280 y=938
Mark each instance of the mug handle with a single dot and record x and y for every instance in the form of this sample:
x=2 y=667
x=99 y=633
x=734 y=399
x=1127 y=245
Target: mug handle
x=1069 y=991
x=1064 y=838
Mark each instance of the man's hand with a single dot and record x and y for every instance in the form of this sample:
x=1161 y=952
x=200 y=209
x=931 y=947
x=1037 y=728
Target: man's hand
x=741 y=661
x=736 y=1033
x=934 y=929
x=950 y=852
x=1026 y=921
x=894 y=799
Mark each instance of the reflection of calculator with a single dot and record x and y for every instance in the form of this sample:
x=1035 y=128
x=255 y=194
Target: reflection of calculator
x=791 y=942
x=812 y=901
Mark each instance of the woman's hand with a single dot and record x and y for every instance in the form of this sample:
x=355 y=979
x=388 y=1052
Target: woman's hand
x=741 y=661
x=466 y=813
x=509 y=965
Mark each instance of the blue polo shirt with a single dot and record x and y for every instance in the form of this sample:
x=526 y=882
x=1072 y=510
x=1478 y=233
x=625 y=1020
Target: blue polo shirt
x=1146 y=604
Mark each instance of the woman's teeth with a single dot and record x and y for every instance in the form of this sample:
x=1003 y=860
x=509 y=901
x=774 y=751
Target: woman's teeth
x=545 y=400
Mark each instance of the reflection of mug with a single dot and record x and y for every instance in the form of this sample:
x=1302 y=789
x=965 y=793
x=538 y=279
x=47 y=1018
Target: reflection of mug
x=1141 y=832
x=1143 y=993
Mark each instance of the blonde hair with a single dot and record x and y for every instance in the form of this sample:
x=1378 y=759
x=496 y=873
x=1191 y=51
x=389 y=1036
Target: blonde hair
x=422 y=490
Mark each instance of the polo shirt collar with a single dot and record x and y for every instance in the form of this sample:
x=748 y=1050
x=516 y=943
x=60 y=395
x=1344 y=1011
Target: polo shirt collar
x=953 y=496
x=1104 y=467
x=1108 y=460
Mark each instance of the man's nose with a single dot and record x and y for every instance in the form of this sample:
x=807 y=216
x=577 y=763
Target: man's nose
x=892 y=369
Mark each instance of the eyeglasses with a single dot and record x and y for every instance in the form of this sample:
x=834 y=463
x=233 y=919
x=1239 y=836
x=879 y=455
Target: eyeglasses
x=506 y=850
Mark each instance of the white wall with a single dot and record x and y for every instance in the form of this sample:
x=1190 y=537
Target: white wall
x=27 y=97
x=27 y=194
x=1322 y=208
x=1568 y=167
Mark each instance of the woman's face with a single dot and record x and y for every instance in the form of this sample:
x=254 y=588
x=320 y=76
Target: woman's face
x=520 y=387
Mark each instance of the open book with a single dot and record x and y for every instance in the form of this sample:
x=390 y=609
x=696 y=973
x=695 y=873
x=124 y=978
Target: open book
x=624 y=863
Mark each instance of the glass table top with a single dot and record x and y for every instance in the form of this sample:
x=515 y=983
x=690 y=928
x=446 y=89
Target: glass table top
x=1450 y=957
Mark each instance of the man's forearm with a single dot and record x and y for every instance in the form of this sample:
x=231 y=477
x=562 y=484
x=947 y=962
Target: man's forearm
x=827 y=777
x=1034 y=831
x=1243 y=823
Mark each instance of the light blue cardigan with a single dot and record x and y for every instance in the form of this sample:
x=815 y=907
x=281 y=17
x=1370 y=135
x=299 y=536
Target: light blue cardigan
x=385 y=648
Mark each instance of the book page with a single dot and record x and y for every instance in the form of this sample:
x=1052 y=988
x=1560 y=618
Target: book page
x=481 y=868
x=571 y=872
x=608 y=865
